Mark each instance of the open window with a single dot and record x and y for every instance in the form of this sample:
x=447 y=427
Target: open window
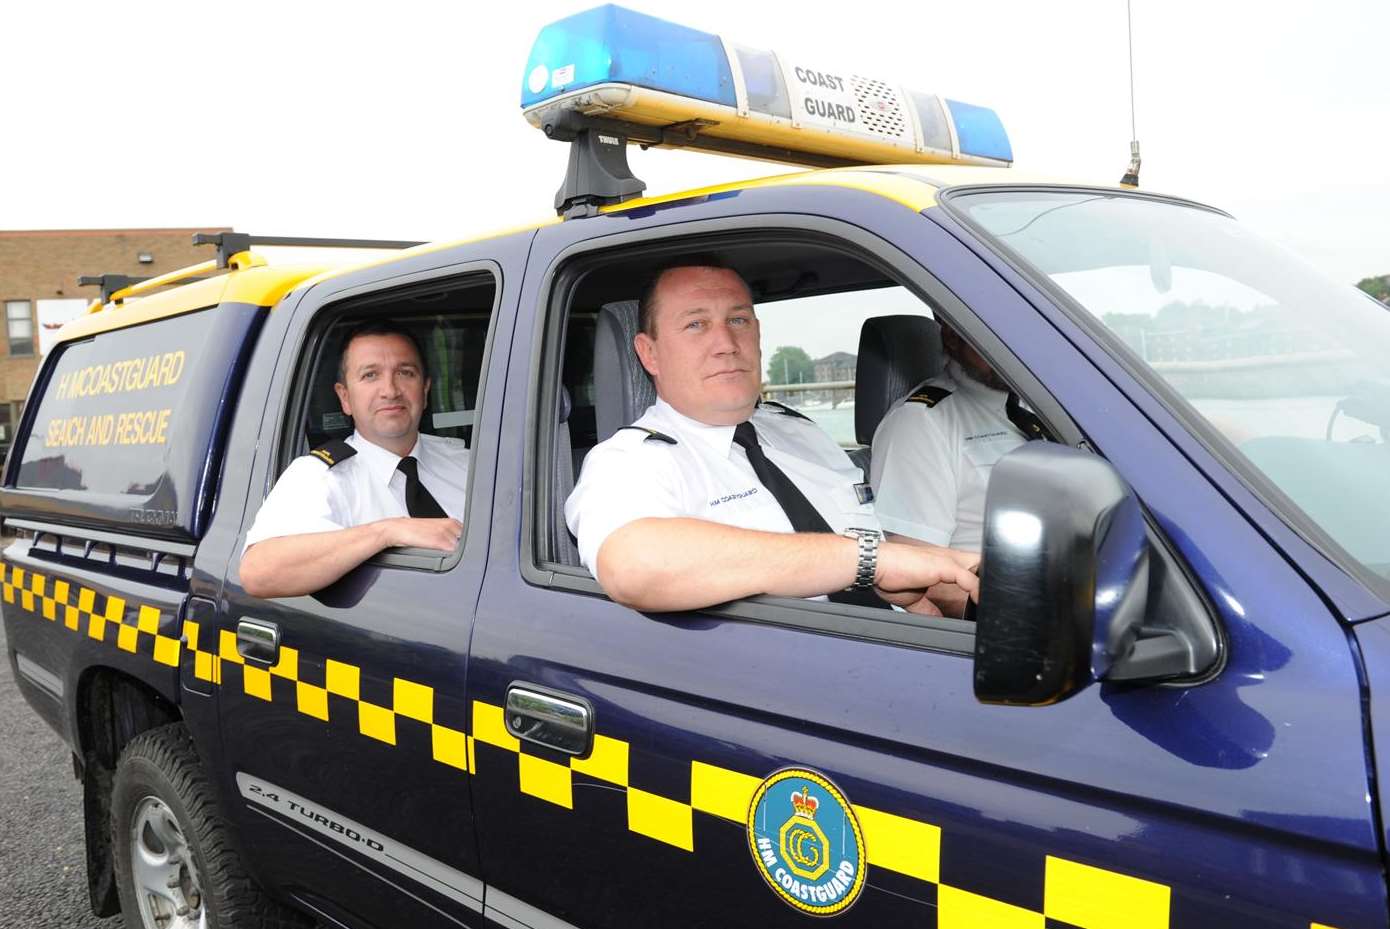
x=450 y=321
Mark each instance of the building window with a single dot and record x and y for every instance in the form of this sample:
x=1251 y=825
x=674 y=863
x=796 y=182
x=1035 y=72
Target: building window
x=19 y=320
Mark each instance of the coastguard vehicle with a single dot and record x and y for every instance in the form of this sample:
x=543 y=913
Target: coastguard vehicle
x=1169 y=709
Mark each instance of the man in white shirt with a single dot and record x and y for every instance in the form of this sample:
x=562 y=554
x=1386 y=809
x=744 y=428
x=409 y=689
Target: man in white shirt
x=933 y=453
x=385 y=486
x=710 y=497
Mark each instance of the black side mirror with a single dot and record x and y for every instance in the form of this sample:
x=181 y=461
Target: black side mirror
x=1064 y=575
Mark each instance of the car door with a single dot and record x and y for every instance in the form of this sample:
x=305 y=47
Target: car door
x=342 y=714
x=1241 y=801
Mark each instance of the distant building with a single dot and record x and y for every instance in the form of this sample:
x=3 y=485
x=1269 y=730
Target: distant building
x=837 y=366
x=38 y=284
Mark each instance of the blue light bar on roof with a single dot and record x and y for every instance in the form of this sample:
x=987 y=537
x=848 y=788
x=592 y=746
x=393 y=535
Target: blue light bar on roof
x=628 y=67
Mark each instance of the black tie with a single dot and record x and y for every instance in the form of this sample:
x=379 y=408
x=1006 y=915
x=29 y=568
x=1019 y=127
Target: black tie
x=803 y=516
x=1026 y=421
x=418 y=500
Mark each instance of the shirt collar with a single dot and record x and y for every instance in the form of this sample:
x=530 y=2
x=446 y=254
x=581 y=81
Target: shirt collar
x=380 y=462
x=719 y=439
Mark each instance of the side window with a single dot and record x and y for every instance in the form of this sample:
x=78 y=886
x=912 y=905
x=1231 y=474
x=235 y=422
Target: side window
x=19 y=323
x=449 y=321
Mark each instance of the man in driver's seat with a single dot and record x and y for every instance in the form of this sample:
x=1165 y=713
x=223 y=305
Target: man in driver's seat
x=385 y=486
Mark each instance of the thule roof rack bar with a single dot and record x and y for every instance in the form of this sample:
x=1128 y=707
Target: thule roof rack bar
x=231 y=243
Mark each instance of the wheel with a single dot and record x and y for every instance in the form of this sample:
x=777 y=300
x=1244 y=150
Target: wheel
x=176 y=864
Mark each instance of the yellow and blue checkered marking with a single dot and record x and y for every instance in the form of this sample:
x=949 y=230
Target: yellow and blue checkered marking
x=1075 y=893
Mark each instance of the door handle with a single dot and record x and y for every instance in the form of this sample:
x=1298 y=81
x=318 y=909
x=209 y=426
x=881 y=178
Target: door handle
x=257 y=640
x=557 y=721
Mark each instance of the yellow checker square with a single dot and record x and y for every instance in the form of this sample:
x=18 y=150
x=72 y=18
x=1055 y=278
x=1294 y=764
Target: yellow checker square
x=723 y=793
x=311 y=700
x=166 y=650
x=1095 y=898
x=148 y=620
x=127 y=637
x=900 y=844
x=472 y=756
x=607 y=761
x=413 y=701
x=547 y=780
x=342 y=679
x=202 y=666
x=37 y=583
x=87 y=600
x=71 y=617
x=190 y=633
x=256 y=682
x=377 y=722
x=50 y=609
x=60 y=591
x=661 y=819
x=959 y=909
x=9 y=594
x=449 y=746
x=115 y=608
x=17 y=578
x=226 y=646
x=287 y=666
x=27 y=600
x=96 y=627
x=490 y=727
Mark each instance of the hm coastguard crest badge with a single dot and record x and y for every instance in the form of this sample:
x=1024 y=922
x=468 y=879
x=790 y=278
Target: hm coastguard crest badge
x=806 y=842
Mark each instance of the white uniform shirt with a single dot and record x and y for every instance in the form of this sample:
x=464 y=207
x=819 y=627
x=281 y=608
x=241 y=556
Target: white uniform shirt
x=931 y=465
x=705 y=475
x=312 y=497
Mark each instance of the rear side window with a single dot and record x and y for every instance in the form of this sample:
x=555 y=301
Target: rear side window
x=126 y=425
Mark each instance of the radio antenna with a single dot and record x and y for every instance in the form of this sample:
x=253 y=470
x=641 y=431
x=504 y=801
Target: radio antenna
x=1131 y=177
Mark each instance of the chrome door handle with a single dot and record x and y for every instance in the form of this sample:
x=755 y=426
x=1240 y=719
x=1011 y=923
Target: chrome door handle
x=556 y=721
x=257 y=640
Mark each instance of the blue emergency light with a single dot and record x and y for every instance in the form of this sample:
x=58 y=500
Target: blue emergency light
x=660 y=83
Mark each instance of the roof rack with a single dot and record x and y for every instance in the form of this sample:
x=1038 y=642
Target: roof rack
x=109 y=283
x=233 y=243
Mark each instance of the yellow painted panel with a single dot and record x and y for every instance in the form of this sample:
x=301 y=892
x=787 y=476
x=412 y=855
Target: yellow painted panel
x=9 y=593
x=1094 y=898
x=166 y=650
x=26 y=598
x=414 y=701
x=86 y=599
x=547 y=780
x=226 y=646
x=96 y=629
x=256 y=681
x=661 y=819
x=287 y=666
x=607 y=761
x=311 y=700
x=377 y=721
x=489 y=727
x=148 y=620
x=900 y=844
x=958 y=909
x=115 y=608
x=71 y=617
x=18 y=578
x=127 y=638
x=202 y=666
x=449 y=746
x=37 y=583
x=721 y=792
x=50 y=609
x=60 y=591
x=342 y=679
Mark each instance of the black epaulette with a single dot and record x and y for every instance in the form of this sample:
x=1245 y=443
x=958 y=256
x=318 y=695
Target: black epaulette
x=929 y=395
x=333 y=453
x=786 y=410
x=651 y=434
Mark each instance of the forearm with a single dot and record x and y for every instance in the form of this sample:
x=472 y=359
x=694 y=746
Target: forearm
x=294 y=565
x=682 y=564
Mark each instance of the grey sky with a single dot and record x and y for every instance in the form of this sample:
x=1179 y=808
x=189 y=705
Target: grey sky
x=403 y=119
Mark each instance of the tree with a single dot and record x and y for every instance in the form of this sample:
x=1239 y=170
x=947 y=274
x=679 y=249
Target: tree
x=1378 y=287
x=790 y=365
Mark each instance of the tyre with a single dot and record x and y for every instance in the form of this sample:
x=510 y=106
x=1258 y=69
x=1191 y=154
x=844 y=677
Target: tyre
x=177 y=866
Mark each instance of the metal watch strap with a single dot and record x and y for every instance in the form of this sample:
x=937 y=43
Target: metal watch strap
x=868 y=558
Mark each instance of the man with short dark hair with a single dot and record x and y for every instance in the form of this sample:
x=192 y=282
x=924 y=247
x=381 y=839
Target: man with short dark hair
x=711 y=497
x=385 y=486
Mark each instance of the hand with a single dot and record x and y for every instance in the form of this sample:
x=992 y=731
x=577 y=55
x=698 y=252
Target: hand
x=905 y=572
x=438 y=534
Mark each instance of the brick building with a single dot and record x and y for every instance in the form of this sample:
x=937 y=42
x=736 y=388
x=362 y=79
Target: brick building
x=38 y=286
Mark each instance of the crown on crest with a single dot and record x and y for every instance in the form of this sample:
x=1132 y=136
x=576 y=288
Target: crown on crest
x=803 y=804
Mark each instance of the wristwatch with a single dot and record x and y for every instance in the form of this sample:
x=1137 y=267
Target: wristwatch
x=868 y=557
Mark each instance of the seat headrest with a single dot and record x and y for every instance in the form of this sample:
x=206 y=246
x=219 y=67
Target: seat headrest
x=896 y=353
x=622 y=388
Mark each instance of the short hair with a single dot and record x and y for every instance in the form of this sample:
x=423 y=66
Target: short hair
x=378 y=327
x=646 y=305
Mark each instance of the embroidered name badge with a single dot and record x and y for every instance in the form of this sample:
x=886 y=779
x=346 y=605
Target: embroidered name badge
x=806 y=842
x=738 y=496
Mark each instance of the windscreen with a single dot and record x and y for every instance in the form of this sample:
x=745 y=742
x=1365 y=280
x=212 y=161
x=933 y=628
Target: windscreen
x=1292 y=369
